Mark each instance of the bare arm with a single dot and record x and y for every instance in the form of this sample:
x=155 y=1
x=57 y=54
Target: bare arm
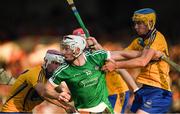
x=128 y=79
x=124 y=54
x=141 y=61
x=53 y=97
x=93 y=44
x=50 y=92
x=67 y=107
x=115 y=55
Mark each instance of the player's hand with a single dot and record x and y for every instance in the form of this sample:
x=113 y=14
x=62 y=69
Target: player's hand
x=157 y=55
x=109 y=66
x=91 y=41
x=93 y=44
x=64 y=96
x=71 y=109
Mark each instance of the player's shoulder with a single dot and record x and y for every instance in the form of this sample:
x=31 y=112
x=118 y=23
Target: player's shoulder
x=34 y=70
x=61 y=68
x=135 y=39
x=96 y=52
x=159 y=35
x=31 y=71
x=160 y=38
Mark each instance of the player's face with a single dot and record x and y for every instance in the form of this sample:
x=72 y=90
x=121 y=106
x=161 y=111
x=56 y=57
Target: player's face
x=53 y=66
x=141 y=28
x=68 y=53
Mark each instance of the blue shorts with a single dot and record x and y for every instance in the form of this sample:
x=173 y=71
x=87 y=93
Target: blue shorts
x=152 y=100
x=124 y=97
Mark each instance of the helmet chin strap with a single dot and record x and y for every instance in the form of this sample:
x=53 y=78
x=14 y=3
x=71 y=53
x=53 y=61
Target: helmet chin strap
x=148 y=34
x=75 y=56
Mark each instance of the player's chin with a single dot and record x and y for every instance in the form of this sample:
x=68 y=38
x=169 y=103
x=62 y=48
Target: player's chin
x=69 y=60
x=139 y=33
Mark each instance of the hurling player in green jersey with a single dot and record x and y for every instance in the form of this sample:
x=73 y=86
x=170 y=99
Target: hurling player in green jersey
x=83 y=75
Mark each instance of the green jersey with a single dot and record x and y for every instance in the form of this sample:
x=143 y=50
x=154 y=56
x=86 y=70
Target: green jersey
x=86 y=83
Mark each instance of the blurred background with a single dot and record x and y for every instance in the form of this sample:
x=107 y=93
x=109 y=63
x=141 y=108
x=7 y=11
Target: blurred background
x=29 y=27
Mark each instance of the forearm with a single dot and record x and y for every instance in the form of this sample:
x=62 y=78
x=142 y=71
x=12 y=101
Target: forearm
x=46 y=90
x=69 y=108
x=141 y=61
x=93 y=44
x=98 y=47
x=128 y=78
x=117 y=55
x=129 y=54
x=56 y=102
x=51 y=94
x=124 y=54
x=133 y=63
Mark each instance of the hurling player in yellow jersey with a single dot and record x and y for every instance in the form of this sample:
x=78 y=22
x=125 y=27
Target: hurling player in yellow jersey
x=27 y=92
x=155 y=94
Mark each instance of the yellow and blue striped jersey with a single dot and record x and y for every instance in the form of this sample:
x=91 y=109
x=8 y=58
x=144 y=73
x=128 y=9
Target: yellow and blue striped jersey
x=23 y=97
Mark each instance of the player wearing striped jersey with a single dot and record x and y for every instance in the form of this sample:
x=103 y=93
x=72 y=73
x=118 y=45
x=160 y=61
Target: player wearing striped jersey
x=155 y=94
x=118 y=91
x=84 y=76
x=27 y=91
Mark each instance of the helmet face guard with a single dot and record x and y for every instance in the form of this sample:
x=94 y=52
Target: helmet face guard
x=74 y=42
x=52 y=55
x=146 y=16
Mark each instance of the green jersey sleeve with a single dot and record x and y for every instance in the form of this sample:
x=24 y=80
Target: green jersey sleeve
x=100 y=56
x=57 y=76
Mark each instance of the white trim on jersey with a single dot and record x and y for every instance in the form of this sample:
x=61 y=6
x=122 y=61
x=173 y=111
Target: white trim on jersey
x=98 y=51
x=59 y=69
x=56 y=72
x=51 y=81
x=108 y=55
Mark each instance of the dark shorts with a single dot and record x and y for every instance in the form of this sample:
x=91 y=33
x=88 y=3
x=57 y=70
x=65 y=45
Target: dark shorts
x=152 y=100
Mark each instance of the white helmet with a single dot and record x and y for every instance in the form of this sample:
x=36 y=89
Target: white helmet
x=74 y=41
x=52 y=55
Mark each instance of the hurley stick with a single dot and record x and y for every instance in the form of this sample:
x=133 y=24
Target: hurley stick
x=171 y=63
x=78 y=17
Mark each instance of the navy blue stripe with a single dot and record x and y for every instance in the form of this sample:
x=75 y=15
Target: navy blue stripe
x=112 y=99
